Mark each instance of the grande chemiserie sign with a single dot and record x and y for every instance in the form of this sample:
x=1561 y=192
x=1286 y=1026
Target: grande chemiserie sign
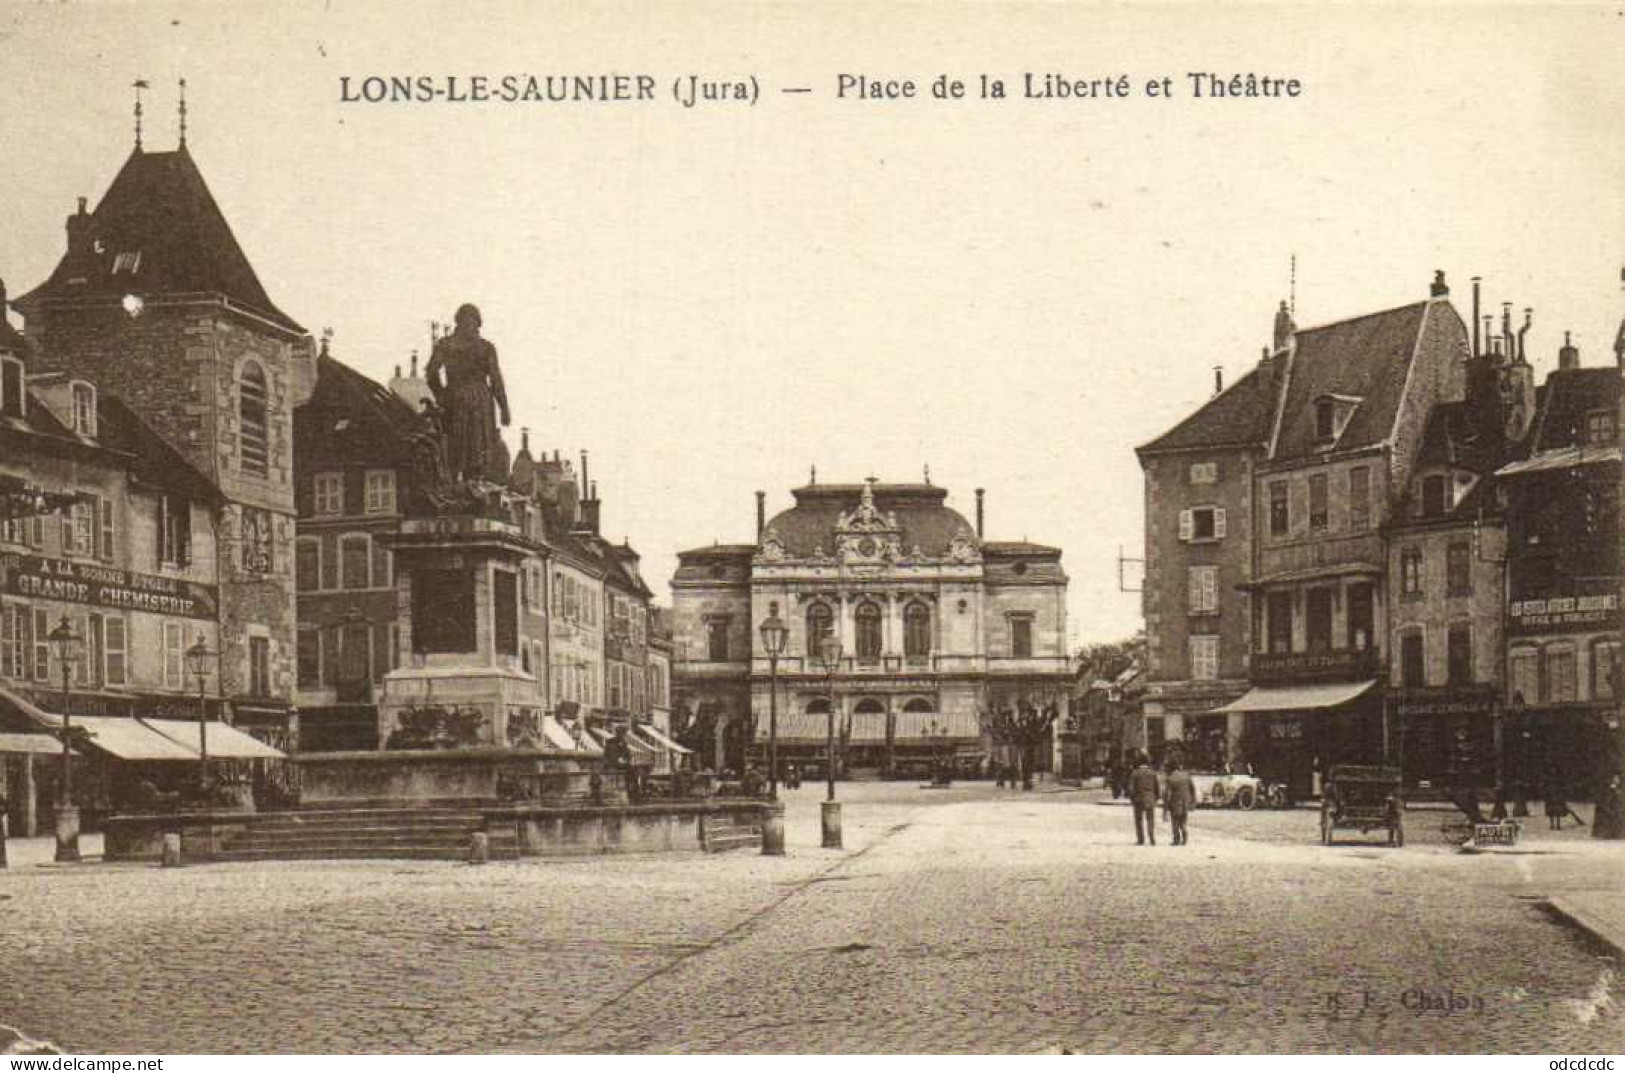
x=36 y=577
x=1564 y=612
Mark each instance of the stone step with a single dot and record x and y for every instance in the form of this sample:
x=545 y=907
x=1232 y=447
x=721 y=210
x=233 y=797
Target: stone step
x=415 y=823
x=723 y=843
x=355 y=838
x=352 y=853
x=328 y=815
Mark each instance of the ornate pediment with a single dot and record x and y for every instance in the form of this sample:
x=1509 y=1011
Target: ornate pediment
x=772 y=549
x=963 y=548
x=865 y=535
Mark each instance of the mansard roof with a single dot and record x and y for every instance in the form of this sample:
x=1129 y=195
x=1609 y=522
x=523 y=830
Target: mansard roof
x=1238 y=416
x=1566 y=398
x=923 y=518
x=160 y=208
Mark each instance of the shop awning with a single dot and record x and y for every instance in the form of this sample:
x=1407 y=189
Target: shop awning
x=225 y=742
x=128 y=739
x=30 y=743
x=1299 y=697
x=662 y=741
x=557 y=736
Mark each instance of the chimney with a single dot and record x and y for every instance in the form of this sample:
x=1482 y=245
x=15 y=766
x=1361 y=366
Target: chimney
x=1439 y=288
x=1568 y=357
x=414 y=365
x=590 y=509
x=1218 y=379
x=1477 y=342
x=1507 y=341
x=1528 y=319
x=524 y=440
x=980 y=492
x=1283 y=327
x=79 y=232
x=761 y=514
x=584 y=485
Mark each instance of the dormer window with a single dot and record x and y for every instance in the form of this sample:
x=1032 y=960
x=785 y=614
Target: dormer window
x=84 y=409
x=127 y=262
x=1602 y=429
x=1435 y=495
x=1332 y=413
x=11 y=387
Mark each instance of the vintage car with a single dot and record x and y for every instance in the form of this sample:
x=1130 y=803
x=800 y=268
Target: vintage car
x=1225 y=789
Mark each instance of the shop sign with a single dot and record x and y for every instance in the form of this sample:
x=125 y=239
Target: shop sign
x=35 y=577
x=1565 y=612
x=1313 y=666
x=1445 y=702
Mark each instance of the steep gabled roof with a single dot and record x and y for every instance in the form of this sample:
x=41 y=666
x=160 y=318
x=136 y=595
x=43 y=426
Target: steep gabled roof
x=1238 y=416
x=1567 y=397
x=160 y=208
x=350 y=417
x=1367 y=357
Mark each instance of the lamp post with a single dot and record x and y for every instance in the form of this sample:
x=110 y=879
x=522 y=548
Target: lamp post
x=829 y=654
x=65 y=644
x=774 y=634
x=1520 y=721
x=197 y=661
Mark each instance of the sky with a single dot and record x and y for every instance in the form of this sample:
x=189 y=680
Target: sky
x=711 y=300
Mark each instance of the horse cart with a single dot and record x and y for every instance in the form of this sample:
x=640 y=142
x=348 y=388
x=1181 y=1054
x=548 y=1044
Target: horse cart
x=1364 y=799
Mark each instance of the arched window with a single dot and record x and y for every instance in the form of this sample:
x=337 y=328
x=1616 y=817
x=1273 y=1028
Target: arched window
x=869 y=706
x=818 y=706
x=820 y=624
x=919 y=704
x=868 y=622
x=917 y=631
x=251 y=421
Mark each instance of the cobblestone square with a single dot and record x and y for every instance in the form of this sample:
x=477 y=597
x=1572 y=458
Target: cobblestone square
x=966 y=920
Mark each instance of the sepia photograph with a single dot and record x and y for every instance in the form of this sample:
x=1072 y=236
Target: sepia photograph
x=790 y=528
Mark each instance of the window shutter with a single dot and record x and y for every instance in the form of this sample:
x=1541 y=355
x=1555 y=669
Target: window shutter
x=161 y=544
x=106 y=550
x=1185 y=525
x=183 y=541
x=1218 y=523
x=67 y=531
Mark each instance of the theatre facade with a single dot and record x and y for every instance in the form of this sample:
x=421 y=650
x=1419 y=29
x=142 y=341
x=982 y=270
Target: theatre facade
x=934 y=627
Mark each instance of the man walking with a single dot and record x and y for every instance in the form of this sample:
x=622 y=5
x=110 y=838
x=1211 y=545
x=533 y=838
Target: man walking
x=1142 y=794
x=1179 y=797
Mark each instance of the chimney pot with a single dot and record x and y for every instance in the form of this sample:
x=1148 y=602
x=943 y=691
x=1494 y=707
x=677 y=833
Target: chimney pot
x=1440 y=288
x=761 y=514
x=1568 y=356
x=397 y=372
x=524 y=440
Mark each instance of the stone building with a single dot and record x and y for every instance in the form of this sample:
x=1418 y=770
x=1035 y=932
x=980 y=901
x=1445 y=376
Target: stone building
x=1563 y=620
x=1198 y=562
x=353 y=480
x=108 y=529
x=935 y=625
x=157 y=305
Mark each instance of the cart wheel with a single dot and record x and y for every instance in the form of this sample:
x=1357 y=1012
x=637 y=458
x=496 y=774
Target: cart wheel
x=1246 y=798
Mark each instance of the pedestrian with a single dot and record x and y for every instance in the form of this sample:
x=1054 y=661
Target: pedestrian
x=1142 y=793
x=1179 y=796
x=1556 y=806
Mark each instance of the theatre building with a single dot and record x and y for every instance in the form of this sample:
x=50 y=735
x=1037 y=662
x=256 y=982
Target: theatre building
x=1563 y=616
x=935 y=626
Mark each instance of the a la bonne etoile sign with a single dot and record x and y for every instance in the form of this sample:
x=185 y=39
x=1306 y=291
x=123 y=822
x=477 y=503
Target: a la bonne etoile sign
x=36 y=577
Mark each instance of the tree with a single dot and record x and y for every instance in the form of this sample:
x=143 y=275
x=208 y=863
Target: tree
x=1024 y=726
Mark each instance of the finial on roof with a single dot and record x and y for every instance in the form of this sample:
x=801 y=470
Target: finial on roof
x=183 y=113
x=1292 y=287
x=327 y=338
x=139 y=85
x=813 y=478
x=414 y=365
x=928 y=474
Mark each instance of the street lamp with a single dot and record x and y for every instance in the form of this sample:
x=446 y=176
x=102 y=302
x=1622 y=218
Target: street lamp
x=197 y=662
x=66 y=645
x=774 y=634
x=829 y=655
x=1520 y=719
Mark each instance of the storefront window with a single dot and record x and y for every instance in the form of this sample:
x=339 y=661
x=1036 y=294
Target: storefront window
x=1605 y=670
x=1523 y=674
x=1412 y=661
x=1560 y=677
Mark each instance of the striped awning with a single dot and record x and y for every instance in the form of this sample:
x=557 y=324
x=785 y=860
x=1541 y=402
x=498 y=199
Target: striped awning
x=869 y=728
x=30 y=743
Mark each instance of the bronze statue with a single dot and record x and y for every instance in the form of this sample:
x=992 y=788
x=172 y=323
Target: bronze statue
x=466 y=381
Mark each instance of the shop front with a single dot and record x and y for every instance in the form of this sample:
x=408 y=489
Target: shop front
x=1298 y=724
x=1448 y=740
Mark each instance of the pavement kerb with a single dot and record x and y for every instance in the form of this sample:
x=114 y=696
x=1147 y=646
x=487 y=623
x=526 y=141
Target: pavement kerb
x=1577 y=917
